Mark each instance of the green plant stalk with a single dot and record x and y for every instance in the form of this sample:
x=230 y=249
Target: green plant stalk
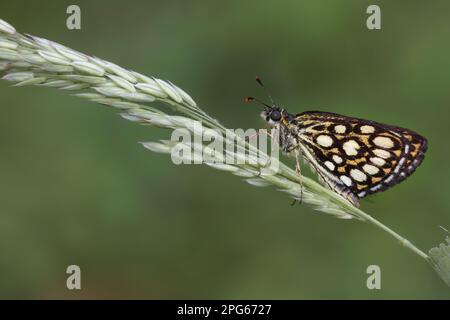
x=29 y=60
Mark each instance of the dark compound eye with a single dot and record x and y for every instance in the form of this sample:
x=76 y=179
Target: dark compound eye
x=275 y=115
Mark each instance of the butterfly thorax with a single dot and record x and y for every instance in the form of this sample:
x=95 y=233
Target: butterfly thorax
x=286 y=125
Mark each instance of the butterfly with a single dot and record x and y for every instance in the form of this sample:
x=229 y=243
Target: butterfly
x=353 y=157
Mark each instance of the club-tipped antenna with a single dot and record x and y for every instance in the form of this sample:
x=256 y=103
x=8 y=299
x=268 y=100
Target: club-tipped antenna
x=258 y=79
x=253 y=99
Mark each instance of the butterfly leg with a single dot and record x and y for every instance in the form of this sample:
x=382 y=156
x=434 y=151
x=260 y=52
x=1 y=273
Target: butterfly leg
x=268 y=163
x=298 y=170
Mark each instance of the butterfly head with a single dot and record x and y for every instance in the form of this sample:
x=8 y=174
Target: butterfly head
x=273 y=115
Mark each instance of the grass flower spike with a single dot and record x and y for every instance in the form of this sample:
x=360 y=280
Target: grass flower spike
x=29 y=60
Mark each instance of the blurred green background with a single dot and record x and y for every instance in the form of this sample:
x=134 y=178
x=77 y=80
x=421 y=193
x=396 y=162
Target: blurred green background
x=77 y=188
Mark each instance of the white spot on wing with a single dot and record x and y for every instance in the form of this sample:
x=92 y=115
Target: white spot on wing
x=351 y=147
x=406 y=148
x=382 y=153
x=340 y=129
x=383 y=142
x=346 y=180
x=399 y=165
x=324 y=141
x=358 y=175
x=337 y=159
x=375 y=188
x=330 y=165
x=370 y=169
x=377 y=161
x=367 y=129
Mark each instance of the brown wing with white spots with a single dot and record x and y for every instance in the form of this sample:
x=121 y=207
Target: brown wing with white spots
x=356 y=155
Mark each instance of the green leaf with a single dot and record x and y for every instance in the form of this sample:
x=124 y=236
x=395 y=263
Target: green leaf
x=440 y=260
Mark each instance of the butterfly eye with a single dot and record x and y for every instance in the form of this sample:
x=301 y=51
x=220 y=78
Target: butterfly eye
x=275 y=115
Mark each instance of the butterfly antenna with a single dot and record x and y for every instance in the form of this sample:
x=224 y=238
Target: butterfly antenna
x=258 y=79
x=252 y=99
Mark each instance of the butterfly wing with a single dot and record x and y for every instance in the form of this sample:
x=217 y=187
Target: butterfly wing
x=358 y=157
